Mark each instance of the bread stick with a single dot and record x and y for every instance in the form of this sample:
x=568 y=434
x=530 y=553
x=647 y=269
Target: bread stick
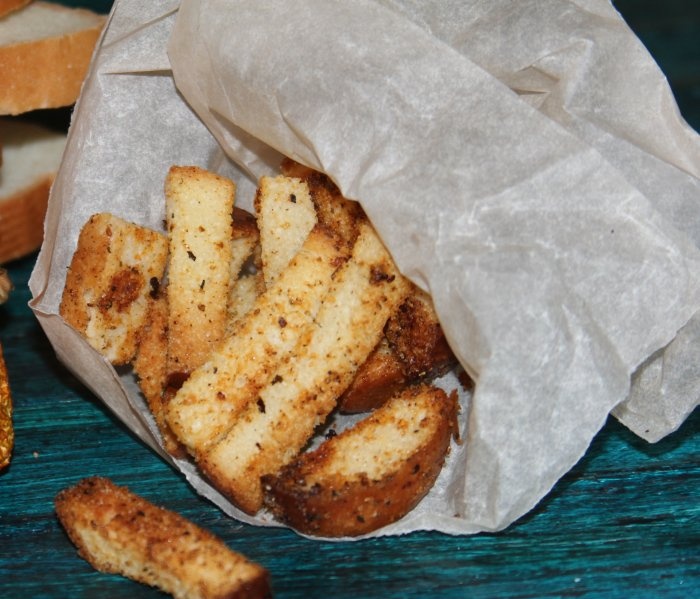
x=274 y=428
x=371 y=474
x=119 y=532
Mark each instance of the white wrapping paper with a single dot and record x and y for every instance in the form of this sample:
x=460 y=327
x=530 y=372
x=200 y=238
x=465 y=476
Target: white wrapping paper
x=524 y=162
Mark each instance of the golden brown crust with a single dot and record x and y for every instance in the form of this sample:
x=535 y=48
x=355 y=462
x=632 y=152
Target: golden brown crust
x=244 y=224
x=371 y=474
x=22 y=219
x=150 y=367
x=291 y=168
x=7 y=435
x=341 y=215
x=337 y=213
x=119 y=532
x=377 y=379
x=415 y=335
x=7 y=6
x=113 y=272
x=48 y=72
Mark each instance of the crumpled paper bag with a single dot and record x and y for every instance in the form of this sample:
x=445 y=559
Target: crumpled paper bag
x=524 y=162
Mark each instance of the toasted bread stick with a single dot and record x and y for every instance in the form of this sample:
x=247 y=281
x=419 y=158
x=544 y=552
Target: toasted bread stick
x=113 y=272
x=199 y=208
x=285 y=215
x=273 y=429
x=210 y=400
x=371 y=474
x=119 y=532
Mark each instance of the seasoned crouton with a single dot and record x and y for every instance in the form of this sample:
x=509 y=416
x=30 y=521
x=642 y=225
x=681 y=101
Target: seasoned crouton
x=285 y=215
x=199 y=207
x=334 y=211
x=371 y=474
x=119 y=532
x=274 y=427
x=151 y=369
x=113 y=272
x=377 y=379
x=209 y=401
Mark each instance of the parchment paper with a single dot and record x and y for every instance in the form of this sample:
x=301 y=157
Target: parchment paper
x=524 y=162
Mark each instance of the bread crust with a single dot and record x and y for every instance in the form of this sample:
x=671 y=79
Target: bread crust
x=119 y=532
x=31 y=157
x=22 y=219
x=336 y=212
x=48 y=72
x=7 y=6
x=416 y=336
x=414 y=350
x=377 y=379
x=324 y=492
x=151 y=369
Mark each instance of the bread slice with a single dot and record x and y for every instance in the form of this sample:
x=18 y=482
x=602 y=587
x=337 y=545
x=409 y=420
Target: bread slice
x=7 y=6
x=119 y=532
x=285 y=216
x=210 y=399
x=199 y=212
x=115 y=269
x=31 y=157
x=371 y=474
x=45 y=51
x=366 y=290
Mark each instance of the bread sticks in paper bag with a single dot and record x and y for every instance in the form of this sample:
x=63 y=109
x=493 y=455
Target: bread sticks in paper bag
x=502 y=183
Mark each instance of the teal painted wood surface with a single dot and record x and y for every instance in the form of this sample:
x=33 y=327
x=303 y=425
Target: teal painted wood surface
x=624 y=522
